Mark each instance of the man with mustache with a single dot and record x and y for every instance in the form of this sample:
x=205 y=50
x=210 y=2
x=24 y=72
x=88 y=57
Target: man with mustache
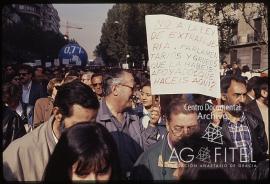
x=239 y=128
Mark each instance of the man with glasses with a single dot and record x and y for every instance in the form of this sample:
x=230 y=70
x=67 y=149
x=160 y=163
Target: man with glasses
x=96 y=80
x=31 y=89
x=157 y=162
x=115 y=114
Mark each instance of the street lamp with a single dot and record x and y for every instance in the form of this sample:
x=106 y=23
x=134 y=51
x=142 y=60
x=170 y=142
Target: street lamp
x=124 y=35
x=127 y=56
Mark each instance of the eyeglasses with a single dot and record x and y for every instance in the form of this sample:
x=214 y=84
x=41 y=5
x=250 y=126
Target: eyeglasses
x=132 y=88
x=178 y=131
x=23 y=74
x=95 y=84
x=86 y=79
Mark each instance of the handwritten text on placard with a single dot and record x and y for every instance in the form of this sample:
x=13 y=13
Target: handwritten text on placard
x=183 y=56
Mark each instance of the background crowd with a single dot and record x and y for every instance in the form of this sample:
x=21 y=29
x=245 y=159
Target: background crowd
x=76 y=124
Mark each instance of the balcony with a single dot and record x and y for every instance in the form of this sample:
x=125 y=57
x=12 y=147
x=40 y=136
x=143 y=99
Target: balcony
x=28 y=9
x=253 y=37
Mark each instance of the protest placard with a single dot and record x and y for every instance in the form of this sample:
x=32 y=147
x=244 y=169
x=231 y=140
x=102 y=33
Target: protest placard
x=183 y=56
x=56 y=62
x=66 y=61
x=38 y=62
x=48 y=64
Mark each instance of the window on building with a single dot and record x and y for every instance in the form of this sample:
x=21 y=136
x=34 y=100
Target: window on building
x=235 y=29
x=258 y=27
x=233 y=55
x=217 y=9
x=256 y=57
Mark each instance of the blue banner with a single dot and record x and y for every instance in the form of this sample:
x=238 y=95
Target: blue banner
x=73 y=54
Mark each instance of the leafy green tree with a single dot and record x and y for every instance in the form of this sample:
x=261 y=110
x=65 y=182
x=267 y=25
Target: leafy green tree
x=124 y=32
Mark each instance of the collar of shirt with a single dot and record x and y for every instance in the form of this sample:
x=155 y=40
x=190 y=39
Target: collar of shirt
x=106 y=113
x=27 y=86
x=169 y=142
x=54 y=137
x=241 y=121
x=19 y=109
x=145 y=112
x=252 y=98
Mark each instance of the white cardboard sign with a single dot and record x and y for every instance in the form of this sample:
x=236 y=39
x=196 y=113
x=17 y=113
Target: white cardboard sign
x=48 y=64
x=183 y=56
x=56 y=62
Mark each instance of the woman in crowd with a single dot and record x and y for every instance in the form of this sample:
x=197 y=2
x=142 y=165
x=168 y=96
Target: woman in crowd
x=44 y=106
x=148 y=101
x=86 y=78
x=85 y=152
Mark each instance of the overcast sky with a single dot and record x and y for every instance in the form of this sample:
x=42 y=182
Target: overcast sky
x=88 y=16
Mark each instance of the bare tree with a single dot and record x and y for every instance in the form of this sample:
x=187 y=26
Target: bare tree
x=251 y=10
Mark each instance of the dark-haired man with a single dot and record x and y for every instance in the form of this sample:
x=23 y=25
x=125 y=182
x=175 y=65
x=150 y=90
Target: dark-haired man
x=26 y=158
x=239 y=128
x=96 y=83
x=31 y=90
x=251 y=84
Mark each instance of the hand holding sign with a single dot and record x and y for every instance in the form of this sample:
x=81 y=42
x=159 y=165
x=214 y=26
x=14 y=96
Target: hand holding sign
x=155 y=115
x=217 y=112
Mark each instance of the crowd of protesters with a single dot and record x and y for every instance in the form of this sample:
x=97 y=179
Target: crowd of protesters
x=67 y=124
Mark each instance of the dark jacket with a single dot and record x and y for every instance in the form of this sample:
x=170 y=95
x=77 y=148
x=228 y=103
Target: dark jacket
x=12 y=125
x=252 y=107
x=257 y=131
x=36 y=92
x=149 y=165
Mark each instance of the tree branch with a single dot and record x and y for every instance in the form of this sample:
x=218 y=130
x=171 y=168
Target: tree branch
x=255 y=30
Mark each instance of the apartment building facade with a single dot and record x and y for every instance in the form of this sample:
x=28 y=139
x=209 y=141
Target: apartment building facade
x=248 y=43
x=43 y=15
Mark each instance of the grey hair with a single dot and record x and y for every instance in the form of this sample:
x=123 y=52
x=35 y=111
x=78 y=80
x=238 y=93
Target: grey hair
x=111 y=79
x=88 y=74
